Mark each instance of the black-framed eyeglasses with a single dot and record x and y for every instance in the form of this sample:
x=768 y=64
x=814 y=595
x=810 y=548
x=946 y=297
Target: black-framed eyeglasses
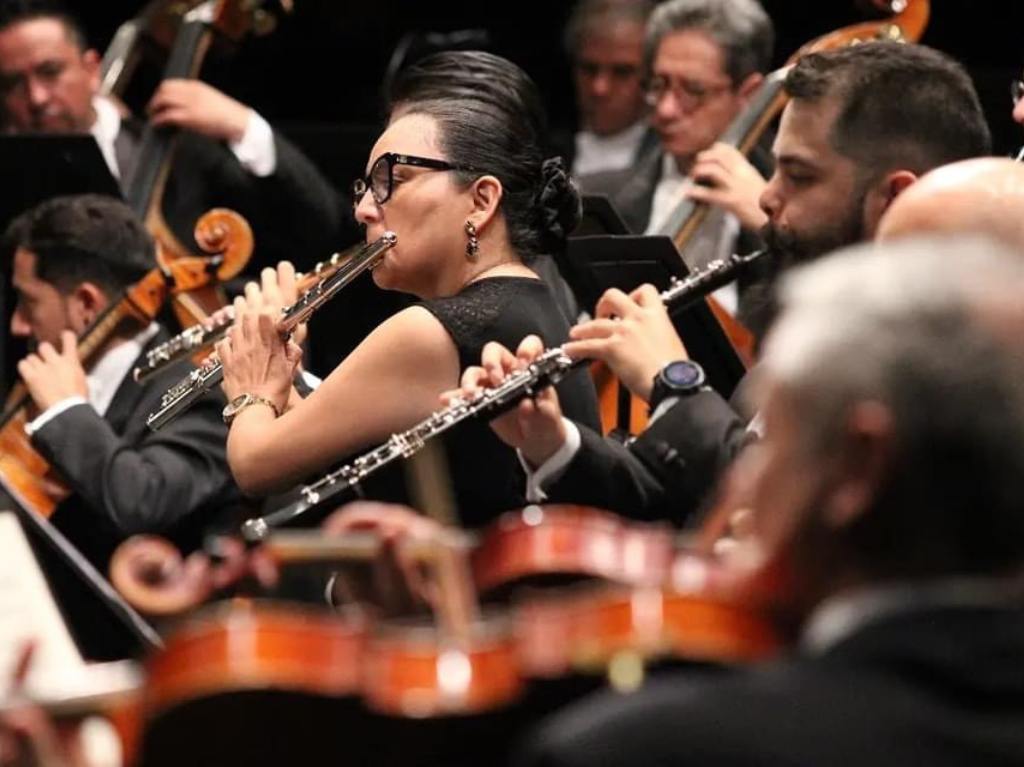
x=380 y=181
x=689 y=94
x=1017 y=90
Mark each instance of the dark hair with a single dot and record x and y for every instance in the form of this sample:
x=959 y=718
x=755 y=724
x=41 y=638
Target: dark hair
x=900 y=106
x=491 y=119
x=590 y=16
x=86 y=238
x=17 y=11
x=741 y=29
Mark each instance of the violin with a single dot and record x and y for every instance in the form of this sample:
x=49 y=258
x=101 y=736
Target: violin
x=644 y=599
x=25 y=474
x=906 y=22
x=460 y=661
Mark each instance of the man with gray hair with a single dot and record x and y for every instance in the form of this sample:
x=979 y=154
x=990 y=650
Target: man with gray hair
x=605 y=42
x=887 y=489
x=703 y=60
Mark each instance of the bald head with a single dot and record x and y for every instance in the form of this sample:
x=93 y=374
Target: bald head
x=984 y=196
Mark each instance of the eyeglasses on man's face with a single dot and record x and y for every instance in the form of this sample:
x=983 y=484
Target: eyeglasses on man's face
x=689 y=94
x=380 y=181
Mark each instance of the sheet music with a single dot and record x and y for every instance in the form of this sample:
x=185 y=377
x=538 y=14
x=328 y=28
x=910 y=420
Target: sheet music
x=28 y=611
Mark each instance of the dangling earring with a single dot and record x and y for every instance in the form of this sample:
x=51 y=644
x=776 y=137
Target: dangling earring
x=473 y=246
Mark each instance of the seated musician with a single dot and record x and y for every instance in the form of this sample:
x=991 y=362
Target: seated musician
x=835 y=177
x=605 y=42
x=73 y=258
x=703 y=61
x=887 y=486
x=462 y=182
x=229 y=155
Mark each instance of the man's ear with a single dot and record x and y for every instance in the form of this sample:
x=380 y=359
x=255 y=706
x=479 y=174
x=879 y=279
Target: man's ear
x=749 y=86
x=882 y=194
x=91 y=61
x=865 y=461
x=85 y=303
x=487 y=193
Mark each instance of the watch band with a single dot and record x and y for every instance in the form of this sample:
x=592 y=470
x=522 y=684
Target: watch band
x=664 y=387
x=240 y=403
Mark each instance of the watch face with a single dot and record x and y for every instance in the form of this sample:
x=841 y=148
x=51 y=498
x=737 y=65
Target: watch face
x=240 y=400
x=683 y=374
x=236 y=404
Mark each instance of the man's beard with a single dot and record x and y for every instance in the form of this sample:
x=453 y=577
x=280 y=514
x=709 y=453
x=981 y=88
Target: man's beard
x=787 y=249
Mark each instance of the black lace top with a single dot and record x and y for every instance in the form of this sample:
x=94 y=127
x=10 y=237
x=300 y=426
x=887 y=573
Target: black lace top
x=486 y=474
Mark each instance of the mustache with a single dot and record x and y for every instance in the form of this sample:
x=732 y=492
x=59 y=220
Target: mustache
x=785 y=248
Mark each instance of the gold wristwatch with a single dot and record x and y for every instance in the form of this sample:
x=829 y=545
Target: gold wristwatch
x=241 y=402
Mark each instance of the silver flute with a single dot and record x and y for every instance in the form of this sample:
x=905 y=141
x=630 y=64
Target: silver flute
x=548 y=369
x=198 y=337
x=180 y=397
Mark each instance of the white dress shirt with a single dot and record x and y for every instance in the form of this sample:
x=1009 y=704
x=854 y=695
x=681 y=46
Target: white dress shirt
x=595 y=153
x=715 y=238
x=255 y=150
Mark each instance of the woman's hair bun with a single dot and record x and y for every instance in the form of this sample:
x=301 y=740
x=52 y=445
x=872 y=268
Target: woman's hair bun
x=558 y=204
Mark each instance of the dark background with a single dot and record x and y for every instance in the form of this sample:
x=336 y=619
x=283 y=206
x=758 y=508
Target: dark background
x=318 y=76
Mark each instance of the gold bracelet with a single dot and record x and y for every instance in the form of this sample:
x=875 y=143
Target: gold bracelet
x=241 y=402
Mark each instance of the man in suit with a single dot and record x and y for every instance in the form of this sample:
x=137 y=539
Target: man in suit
x=228 y=155
x=887 y=489
x=703 y=61
x=605 y=42
x=73 y=259
x=834 y=179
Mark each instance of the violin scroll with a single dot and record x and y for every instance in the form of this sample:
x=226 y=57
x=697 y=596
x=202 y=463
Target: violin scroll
x=224 y=233
x=150 y=573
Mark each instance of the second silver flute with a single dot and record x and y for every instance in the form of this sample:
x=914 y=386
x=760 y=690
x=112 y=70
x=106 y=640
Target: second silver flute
x=180 y=397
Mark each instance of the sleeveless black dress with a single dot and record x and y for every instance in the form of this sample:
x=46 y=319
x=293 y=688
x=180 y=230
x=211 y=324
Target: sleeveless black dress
x=486 y=474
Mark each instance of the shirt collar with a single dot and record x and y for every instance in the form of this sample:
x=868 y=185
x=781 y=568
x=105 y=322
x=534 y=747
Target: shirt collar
x=105 y=129
x=846 y=613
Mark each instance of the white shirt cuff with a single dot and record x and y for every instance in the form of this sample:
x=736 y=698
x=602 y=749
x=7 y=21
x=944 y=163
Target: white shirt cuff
x=663 y=407
x=255 y=150
x=553 y=467
x=310 y=380
x=52 y=412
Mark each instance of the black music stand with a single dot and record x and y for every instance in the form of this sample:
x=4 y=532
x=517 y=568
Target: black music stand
x=46 y=166
x=599 y=217
x=625 y=262
x=102 y=624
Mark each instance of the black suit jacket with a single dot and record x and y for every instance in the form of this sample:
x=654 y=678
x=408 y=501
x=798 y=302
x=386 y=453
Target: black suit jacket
x=942 y=687
x=294 y=212
x=666 y=471
x=126 y=479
